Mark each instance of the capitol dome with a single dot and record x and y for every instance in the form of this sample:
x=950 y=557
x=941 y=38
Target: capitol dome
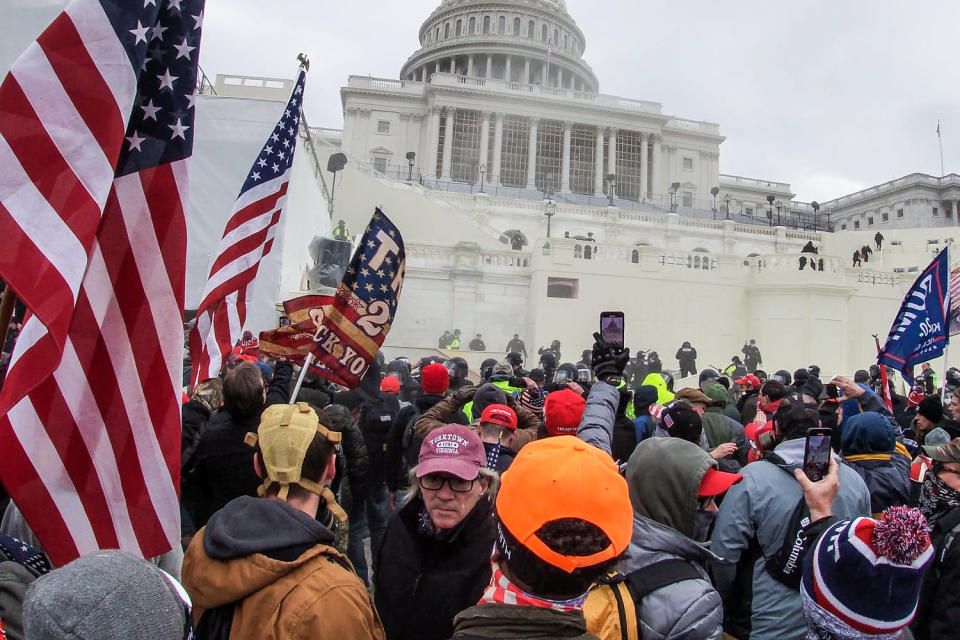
x=529 y=42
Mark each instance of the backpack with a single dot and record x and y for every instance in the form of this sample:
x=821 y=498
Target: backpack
x=376 y=418
x=611 y=609
x=411 y=443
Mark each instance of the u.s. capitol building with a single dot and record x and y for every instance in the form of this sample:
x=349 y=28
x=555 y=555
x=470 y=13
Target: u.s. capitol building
x=530 y=201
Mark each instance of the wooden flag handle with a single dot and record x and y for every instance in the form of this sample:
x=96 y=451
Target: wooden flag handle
x=7 y=302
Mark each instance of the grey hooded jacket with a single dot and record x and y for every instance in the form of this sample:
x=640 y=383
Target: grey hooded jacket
x=755 y=514
x=664 y=517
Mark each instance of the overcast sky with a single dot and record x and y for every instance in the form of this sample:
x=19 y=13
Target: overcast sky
x=830 y=96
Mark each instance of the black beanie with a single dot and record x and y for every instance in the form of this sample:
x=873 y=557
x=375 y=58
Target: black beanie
x=931 y=409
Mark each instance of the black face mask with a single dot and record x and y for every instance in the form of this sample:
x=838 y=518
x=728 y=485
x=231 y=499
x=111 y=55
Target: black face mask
x=704 y=522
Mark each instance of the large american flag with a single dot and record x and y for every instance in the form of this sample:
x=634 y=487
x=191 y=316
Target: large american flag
x=247 y=238
x=96 y=125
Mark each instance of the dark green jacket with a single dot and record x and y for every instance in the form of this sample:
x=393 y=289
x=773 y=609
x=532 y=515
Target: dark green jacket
x=508 y=622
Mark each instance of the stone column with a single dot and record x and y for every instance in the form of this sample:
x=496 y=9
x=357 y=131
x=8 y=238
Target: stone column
x=559 y=78
x=565 y=160
x=544 y=80
x=489 y=73
x=598 y=159
x=484 y=139
x=453 y=64
x=497 y=144
x=470 y=65
x=612 y=151
x=643 y=165
x=657 y=187
x=507 y=70
x=447 y=145
x=526 y=71
x=532 y=155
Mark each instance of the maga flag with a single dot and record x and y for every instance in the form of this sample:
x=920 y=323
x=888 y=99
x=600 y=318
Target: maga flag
x=350 y=331
x=920 y=331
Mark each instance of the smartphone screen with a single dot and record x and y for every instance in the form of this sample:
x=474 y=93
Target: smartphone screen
x=611 y=328
x=816 y=455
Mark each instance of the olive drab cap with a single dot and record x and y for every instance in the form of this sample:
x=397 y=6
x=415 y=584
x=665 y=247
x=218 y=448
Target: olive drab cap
x=284 y=435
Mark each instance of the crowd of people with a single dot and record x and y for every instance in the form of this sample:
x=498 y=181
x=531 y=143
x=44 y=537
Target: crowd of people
x=572 y=500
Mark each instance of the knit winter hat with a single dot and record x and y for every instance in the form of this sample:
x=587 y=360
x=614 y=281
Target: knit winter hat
x=532 y=400
x=503 y=368
x=716 y=393
x=682 y=422
x=865 y=574
x=931 y=409
x=562 y=412
x=107 y=594
x=434 y=378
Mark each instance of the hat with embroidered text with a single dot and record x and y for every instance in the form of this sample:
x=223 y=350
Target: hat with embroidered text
x=749 y=380
x=452 y=449
x=499 y=414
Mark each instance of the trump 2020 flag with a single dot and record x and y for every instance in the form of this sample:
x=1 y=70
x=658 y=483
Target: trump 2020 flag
x=920 y=332
x=350 y=331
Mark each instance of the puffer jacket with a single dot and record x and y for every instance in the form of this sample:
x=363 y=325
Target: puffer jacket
x=663 y=475
x=751 y=526
x=276 y=564
x=868 y=447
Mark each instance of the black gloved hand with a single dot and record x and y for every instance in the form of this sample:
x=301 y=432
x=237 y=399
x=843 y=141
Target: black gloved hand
x=607 y=362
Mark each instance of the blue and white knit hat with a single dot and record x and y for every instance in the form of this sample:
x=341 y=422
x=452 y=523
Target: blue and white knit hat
x=866 y=574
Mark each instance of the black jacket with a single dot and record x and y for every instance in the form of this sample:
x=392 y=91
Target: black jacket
x=224 y=466
x=686 y=354
x=422 y=582
x=338 y=418
x=938 y=613
x=193 y=422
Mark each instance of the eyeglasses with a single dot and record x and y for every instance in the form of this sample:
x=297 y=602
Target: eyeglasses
x=457 y=485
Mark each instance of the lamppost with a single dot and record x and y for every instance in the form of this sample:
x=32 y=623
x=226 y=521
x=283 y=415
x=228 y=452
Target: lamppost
x=611 y=187
x=549 y=209
x=674 y=187
x=483 y=169
x=770 y=200
x=411 y=159
x=816 y=207
x=726 y=200
x=779 y=207
x=714 y=191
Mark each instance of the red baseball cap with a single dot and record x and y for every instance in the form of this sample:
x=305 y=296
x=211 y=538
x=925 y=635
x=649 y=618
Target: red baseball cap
x=434 y=378
x=562 y=412
x=452 y=449
x=715 y=482
x=390 y=385
x=499 y=414
x=750 y=380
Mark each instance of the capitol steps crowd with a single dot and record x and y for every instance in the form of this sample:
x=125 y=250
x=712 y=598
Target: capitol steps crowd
x=574 y=500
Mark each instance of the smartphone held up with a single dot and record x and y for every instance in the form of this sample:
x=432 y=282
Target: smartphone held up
x=611 y=328
x=816 y=454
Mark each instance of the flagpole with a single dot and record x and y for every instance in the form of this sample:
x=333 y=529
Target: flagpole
x=946 y=348
x=940 y=139
x=303 y=374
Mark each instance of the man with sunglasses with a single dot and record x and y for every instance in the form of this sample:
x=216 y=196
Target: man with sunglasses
x=434 y=560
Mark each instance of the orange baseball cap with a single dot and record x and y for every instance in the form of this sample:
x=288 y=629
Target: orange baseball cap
x=564 y=477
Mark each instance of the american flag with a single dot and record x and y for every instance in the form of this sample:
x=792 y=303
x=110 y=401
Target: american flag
x=352 y=329
x=247 y=238
x=96 y=125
